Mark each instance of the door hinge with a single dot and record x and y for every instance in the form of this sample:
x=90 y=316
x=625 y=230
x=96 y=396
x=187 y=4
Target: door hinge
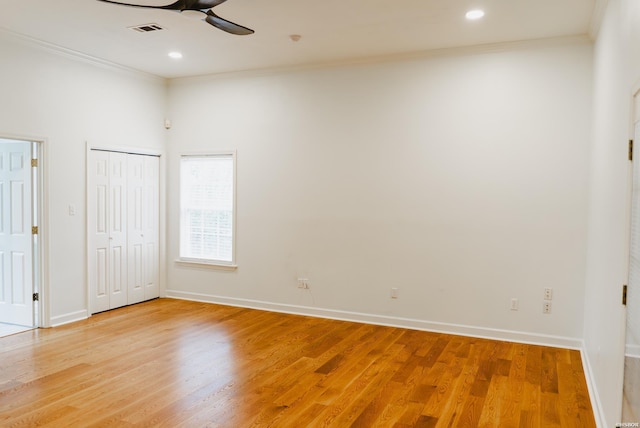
x=34 y=230
x=36 y=297
x=630 y=150
x=34 y=163
x=624 y=295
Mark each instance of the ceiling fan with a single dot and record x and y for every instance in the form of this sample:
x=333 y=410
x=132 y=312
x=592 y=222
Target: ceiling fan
x=200 y=9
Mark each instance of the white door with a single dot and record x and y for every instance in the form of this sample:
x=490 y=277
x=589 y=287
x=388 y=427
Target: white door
x=118 y=229
x=16 y=250
x=135 y=237
x=107 y=226
x=151 y=227
x=123 y=229
x=143 y=231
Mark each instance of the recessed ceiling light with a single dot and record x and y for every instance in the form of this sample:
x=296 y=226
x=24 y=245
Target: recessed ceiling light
x=175 y=55
x=474 y=14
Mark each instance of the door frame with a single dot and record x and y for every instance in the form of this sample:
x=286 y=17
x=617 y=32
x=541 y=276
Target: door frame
x=632 y=164
x=161 y=203
x=40 y=263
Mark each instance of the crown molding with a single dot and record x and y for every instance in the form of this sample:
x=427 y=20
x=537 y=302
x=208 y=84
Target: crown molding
x=599 y=8
x=80 y=57
x=573 y=40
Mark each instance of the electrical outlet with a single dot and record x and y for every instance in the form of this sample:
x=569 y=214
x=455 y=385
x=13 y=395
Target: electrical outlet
x=394 y=292
x=546 y=307
x=514 y=304
x=548 y=293
x=303 y=283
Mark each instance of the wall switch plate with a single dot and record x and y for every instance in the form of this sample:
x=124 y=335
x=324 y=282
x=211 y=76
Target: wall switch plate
x=394 y=292
x=303 y=283
x=514 y=304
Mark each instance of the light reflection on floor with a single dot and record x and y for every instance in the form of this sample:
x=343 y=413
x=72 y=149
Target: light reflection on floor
x=9 y=329
x=219 y=380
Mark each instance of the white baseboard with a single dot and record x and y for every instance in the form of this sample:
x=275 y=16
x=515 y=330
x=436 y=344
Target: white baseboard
x=437 y=327
x=68 y=318
x=415 y=324
x=632 y=351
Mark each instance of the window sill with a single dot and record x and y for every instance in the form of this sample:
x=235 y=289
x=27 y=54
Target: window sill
x=205 y=264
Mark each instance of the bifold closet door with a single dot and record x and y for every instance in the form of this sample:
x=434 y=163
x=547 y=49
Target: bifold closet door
x=107 y=226
x=143 y=236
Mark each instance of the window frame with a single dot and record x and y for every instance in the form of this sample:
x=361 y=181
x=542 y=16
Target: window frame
x=214 y=263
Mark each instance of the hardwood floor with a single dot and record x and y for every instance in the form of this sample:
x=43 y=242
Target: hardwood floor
x=185 y=364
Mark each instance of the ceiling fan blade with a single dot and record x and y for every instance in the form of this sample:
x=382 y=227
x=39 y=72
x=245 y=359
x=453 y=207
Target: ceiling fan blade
x=177 y=5
x=227 y=26
x=201 y=5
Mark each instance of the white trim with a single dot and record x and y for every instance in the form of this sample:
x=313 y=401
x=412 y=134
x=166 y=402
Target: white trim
x=206 y=264
x=23 y=137
x=596 y=403
x=632 y=351
x=43 y=234
x=123 y=149
x=597 y=16
x=162 y=238
x=599 y=9
x=392 y=58
x=69 y=318
x=415 y=324
x=79 y=56
x=87 y=302
x=212 y=263
x=44 y=309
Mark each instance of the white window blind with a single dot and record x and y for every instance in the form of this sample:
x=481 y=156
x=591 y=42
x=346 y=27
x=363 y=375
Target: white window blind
x=207 y=208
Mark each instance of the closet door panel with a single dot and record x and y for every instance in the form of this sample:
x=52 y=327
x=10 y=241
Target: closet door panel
x=151 y=226
x=118 y=229
x=98 y=230
x=135 y=236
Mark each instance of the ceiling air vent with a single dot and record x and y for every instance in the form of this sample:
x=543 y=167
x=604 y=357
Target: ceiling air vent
x=147 y=28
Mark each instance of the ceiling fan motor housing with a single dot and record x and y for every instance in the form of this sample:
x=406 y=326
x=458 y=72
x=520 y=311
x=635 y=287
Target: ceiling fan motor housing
x=200 y=9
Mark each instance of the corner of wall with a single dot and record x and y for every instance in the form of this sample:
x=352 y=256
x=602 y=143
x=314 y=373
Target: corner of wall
x=68 y=318
x=389 y=321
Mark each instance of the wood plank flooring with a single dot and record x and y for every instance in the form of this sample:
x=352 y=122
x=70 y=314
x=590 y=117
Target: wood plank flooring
x=186 y=364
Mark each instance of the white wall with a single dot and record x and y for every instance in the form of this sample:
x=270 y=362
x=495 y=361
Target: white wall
x=616 y=71
x=460 y=179
x=66 y=101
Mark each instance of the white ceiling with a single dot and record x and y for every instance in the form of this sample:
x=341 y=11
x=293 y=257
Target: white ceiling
x=332 y=30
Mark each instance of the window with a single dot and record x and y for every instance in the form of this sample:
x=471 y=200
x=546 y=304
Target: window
x=207 y=208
